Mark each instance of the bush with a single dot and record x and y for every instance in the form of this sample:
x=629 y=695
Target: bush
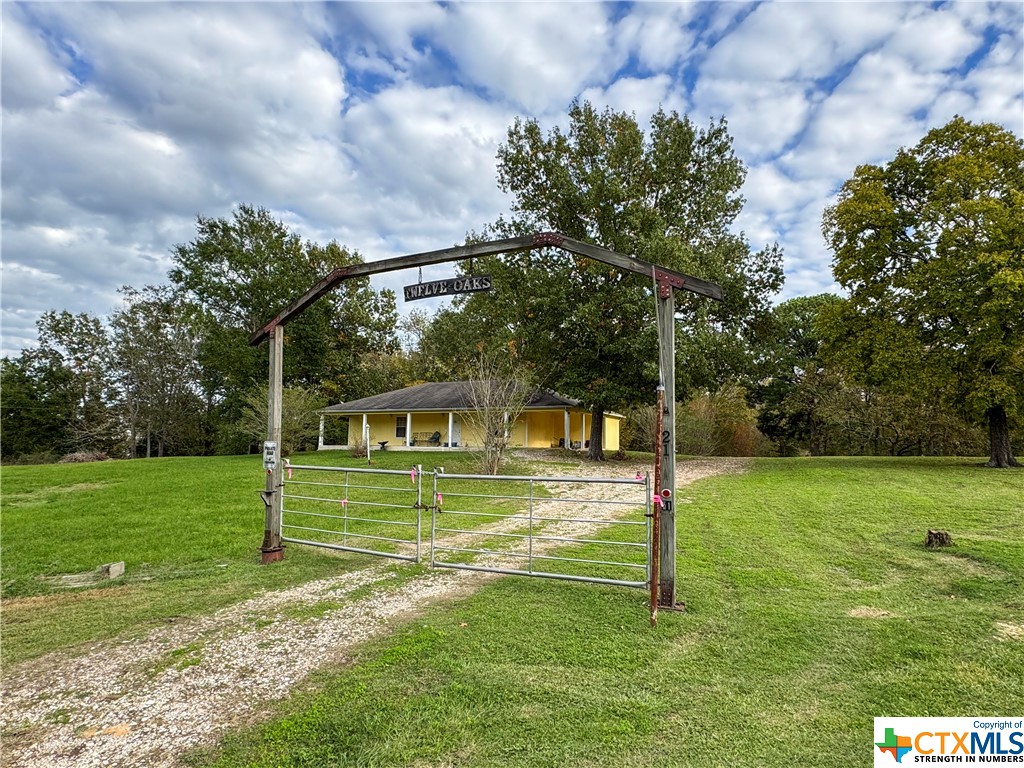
x=720 y=424
x=40 y=457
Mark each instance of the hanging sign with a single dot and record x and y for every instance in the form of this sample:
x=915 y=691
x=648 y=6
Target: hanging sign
x=448 y=287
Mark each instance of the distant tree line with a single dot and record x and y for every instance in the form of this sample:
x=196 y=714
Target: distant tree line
x=924 y=356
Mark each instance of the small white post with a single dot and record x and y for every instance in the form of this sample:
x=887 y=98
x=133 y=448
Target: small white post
x=566 y=430
x=366 y=438
x=320 y=437
x=451 y=425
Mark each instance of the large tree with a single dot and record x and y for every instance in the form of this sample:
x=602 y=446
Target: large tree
x=668 y=195
x=930 y=247
x=74 y=354
x=792 y=382
x=240 y=272
x=156 y=344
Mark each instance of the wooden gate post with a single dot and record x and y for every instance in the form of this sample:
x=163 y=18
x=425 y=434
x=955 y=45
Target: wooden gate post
x=666 y=312
x=272 y=550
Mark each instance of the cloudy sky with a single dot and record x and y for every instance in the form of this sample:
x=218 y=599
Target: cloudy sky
x=377 y=124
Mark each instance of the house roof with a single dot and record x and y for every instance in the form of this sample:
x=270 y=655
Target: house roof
x=439 y=396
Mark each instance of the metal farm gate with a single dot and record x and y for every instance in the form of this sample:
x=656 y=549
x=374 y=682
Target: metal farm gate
x=570 y=528
x=530 y=538
x=373 y=511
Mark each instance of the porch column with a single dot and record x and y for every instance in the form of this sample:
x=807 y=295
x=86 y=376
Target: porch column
x=450 y=425
x=320 y=437
x=408 y=429
x=366 y=434
x=583 y=429
x=568 y=437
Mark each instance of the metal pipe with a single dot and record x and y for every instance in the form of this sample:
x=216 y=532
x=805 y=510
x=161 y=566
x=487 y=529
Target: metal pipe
x=544 y=575
x=527 y=478
x=419 y=499
x=656 y=511
x=530 y=560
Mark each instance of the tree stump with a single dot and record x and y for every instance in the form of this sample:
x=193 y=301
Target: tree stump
x=937 y=539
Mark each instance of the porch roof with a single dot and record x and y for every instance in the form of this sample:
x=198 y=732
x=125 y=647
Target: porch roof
x=440 y=396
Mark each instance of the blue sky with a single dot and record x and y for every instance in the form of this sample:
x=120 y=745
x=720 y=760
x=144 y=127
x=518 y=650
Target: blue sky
x=377 y=124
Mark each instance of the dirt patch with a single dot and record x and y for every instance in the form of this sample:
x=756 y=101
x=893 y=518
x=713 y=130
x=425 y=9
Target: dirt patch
x=1006 y=630
x=16 y=604
x=866 y=612
x=122 y=704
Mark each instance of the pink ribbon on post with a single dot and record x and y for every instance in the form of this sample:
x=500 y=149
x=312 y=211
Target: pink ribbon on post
x=412 y=476
x=440 y=499
x=344 y=503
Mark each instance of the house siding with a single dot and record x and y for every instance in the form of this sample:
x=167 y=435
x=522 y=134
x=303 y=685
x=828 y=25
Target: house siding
x=533 y=429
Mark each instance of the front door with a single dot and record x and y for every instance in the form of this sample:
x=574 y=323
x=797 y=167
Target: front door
x=455 y=439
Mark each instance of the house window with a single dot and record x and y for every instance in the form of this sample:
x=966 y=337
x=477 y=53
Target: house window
x=400 y=426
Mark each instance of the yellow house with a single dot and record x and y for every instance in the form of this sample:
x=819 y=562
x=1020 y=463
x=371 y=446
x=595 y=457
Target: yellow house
x=430 y=416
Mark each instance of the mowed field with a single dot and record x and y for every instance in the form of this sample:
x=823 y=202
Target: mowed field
x=813 y=607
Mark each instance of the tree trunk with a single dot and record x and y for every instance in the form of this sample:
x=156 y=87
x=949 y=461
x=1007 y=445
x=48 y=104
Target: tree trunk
x=1000 y=453
x=596 y=452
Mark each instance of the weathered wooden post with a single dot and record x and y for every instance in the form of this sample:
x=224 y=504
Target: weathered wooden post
x=272 y=550
x=666 y=313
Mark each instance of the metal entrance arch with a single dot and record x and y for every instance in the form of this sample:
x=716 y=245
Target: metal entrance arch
x=666 y=282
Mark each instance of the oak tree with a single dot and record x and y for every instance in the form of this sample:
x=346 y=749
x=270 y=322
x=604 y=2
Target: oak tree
x=668 y=195
x=930 y=247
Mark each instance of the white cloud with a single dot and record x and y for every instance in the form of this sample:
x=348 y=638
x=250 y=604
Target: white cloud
x=31 y=78
x=933 y=40
x=536 y=55
x=656 y=33
x=641 y=96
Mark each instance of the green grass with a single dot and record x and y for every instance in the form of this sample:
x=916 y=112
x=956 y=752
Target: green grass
x=188 y=529
x=813 y=607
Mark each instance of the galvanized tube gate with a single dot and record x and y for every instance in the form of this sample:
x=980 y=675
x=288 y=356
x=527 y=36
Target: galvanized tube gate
x=550 y=527
x=532 y=541
x=344 y=508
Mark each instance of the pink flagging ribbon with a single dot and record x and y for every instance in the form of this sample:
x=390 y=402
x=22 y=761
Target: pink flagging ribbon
x=412 y=476
x=440 y=499
x=639 y=475
x=344 y=503
x=656 y=500
x=289 y=473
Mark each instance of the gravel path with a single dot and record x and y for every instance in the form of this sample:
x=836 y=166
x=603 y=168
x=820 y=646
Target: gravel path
x=147 y=700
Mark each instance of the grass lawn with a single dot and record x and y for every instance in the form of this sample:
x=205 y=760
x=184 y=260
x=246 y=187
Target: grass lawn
x=188 y=529
x=813 y=607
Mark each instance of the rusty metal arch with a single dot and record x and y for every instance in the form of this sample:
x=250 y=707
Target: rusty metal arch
x=666 y=280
